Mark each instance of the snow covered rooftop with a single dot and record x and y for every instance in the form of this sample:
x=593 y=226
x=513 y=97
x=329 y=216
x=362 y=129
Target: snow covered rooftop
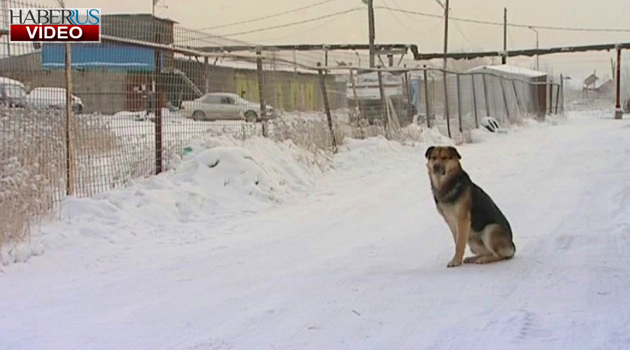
x=511 y=70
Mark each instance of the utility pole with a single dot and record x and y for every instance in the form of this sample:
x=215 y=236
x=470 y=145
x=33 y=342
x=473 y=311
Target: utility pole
x=537 y=62
x=504 y=56
x=371 y=33
x=445 y=34
x=444 y=63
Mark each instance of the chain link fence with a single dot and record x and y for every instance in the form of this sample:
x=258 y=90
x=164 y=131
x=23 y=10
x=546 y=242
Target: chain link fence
x=141 y=95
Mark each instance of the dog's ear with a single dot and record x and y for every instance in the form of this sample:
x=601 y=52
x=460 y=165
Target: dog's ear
x=454 y=152
x=428 y=152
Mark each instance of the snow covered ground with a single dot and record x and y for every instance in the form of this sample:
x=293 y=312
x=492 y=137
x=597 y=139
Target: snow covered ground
x=269 y=249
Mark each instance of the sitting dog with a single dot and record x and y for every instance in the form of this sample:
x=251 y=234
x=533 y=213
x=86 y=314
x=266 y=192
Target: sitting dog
x=470 y=213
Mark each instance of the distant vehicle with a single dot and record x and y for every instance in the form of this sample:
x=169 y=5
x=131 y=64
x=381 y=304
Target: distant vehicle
x=224 y=106
x=50 y=97
x=12 y=93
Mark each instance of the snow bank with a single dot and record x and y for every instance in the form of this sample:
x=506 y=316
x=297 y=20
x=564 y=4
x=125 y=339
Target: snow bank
x=415 y=134
x=220 y=174
x=219 y=178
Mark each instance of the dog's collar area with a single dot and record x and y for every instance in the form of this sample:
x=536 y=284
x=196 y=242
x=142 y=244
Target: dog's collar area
x=455 y=187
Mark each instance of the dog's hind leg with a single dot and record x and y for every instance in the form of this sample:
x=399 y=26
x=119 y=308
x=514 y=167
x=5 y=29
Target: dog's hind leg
x=477 y=247
x=498 y=243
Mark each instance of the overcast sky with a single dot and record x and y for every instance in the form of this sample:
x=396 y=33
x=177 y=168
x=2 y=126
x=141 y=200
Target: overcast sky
x=397 y=27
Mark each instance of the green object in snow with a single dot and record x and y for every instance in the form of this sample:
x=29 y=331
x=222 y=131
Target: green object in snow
x=187 y=151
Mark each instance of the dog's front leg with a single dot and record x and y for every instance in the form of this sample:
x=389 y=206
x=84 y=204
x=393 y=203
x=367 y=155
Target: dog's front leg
x=463 y=229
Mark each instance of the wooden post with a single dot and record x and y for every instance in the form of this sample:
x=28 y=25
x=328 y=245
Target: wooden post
x=459 y=104
x=426 y=95
x=69 y=133
x=474 y=97
x=322 y=82
x=261 y=91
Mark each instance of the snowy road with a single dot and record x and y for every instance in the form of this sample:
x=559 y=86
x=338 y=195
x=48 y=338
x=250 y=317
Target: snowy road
x=359 y=263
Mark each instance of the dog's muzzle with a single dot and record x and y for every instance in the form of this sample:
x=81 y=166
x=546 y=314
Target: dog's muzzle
x=439 y=169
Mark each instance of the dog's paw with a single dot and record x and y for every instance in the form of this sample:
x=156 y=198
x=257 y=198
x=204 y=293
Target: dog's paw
x=484 y=260
x=454 y=263
x=471 y=260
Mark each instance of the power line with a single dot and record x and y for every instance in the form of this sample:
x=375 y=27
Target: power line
x=300 y=32
x=399 y=21
x=268 y=16
x=509 y=24
x=462 y=33
x=294 y=23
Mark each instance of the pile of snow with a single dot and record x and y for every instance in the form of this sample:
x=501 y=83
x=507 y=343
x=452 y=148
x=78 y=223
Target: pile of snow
x=220 y=178
x=415 y=134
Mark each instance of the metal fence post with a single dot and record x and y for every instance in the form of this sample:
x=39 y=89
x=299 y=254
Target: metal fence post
x=409 y=97
x=551 y=96
x=159 y=166
x=383 y=98
x=261 y=92
x=426 y=95
x=69 y=133
x=562 y=92
x=206 y=76
x=322 y=82
x=485 y=95
x=505 y=102
x=474 y=98
x=459 y=104
x=557 y=97
x=446 y=111
x=618 y=109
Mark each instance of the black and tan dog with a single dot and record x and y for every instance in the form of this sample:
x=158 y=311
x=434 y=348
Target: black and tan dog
x=470 y=213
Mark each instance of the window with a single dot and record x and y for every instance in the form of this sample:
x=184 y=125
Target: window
x=211 y=99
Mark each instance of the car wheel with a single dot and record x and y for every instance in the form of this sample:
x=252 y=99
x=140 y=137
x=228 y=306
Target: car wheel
x=198 y=115
x=251 y=117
